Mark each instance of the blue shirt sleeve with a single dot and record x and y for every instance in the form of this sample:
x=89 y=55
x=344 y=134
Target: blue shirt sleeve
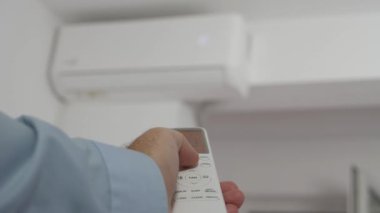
x=43 y=170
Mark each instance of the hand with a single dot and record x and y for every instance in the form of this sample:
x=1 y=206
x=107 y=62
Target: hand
x=233 y=197
x=170 y=150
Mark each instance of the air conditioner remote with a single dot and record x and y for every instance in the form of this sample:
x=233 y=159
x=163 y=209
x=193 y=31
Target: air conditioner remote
x=198 y=189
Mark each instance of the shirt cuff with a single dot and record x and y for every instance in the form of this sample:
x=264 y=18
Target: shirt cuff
x=136 y=182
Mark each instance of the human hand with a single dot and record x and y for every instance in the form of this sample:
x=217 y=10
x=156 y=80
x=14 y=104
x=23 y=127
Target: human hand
x=170 y=150
x=233 y=197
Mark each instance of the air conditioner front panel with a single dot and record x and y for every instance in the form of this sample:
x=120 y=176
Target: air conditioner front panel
x=161 y=43
x=190 y=58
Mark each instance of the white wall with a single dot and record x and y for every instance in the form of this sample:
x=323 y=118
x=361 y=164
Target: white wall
x=298 y=159
x=26 y=33
x=120 y=123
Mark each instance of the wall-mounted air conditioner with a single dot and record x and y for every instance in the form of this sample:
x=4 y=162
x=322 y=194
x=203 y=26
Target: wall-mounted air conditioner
x=191 y=58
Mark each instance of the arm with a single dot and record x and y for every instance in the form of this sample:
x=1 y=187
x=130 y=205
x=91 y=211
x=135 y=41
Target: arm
x=43 y=170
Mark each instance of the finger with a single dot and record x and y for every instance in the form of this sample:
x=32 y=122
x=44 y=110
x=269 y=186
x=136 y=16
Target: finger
x=232 y=208
x=235 y=197
x=188 y=157
x=228 y=186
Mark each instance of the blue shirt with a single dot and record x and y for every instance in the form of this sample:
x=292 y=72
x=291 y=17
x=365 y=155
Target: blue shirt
x=43 y=170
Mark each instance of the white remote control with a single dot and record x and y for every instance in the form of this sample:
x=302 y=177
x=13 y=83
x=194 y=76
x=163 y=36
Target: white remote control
x=198 y=189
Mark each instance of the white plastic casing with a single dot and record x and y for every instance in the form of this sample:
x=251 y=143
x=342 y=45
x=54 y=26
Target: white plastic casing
x=198 y=189
x=191 y=58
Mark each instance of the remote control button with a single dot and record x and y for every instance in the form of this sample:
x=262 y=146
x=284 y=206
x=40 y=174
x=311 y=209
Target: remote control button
x=205 y=165
x=204 y=158
x=210 y=190
x=206 y=178
x=212 y=197
x=197 y=197
x=181 y=198
x=180 y=179
x=181 y=191
x=193 y=178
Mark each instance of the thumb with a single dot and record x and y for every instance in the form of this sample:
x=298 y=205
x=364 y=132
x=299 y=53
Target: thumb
x=188 y=157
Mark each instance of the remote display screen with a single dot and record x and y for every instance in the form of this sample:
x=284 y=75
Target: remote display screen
x=197 y=139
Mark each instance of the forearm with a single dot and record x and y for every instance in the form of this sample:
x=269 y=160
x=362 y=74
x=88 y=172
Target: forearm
x=43 y=170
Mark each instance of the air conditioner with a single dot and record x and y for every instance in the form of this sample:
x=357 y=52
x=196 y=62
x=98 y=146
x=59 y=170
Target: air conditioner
x=191 y=58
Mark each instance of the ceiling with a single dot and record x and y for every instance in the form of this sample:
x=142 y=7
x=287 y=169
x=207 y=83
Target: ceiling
x=100 y=10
